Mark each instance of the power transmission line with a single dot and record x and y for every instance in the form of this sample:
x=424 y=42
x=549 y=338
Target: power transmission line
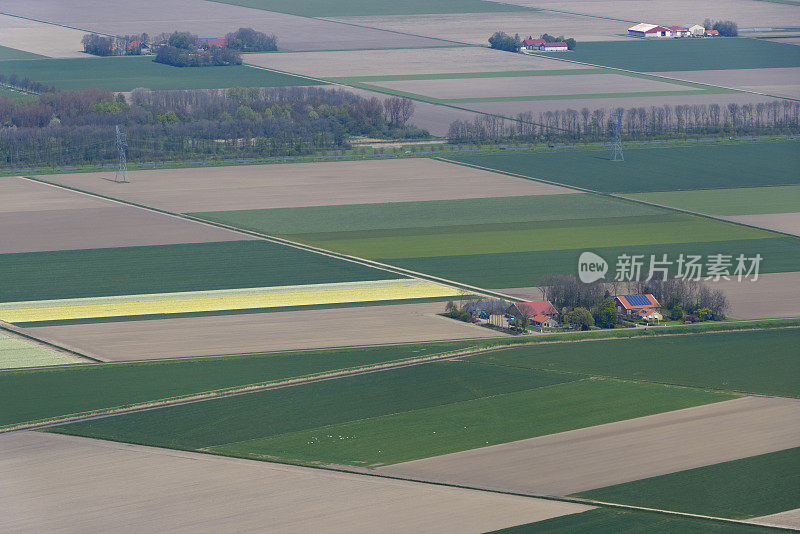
x=122 y=168
x=616 y=151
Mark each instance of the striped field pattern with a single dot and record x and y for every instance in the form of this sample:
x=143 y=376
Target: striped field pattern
x=220 y=300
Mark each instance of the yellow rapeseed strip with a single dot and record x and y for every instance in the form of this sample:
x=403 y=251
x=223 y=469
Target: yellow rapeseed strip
x=233 y=302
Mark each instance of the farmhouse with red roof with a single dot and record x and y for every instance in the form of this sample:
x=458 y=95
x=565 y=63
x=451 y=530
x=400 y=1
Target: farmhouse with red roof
x=540 y=312
x=532 y=44
x=639 y=306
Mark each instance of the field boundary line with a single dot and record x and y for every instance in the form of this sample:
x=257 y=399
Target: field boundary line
x=286 y=242
x=53 y=24
x=57 y=347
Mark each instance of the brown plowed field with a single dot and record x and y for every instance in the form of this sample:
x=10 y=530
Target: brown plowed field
x=305 y=184
x=36 y=217
x=277 y=331
x=599 y=456
x=59 y=483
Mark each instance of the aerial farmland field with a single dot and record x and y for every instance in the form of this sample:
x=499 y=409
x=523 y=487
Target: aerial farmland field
x=128 y=73
x=39 y=39
x=334 y=8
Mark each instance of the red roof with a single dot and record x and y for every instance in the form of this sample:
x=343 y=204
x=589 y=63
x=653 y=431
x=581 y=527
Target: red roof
x=558 y=44
x=677 y=29
x=541 y=318
x=712 y=32
x=539 y=307
x=222 y=42
x=638 y=302
x=529 y=42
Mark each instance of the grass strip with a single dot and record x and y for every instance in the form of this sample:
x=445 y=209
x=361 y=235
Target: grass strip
x=465 y=75
x=738 y=201
x=537 y=98
x=739 y=489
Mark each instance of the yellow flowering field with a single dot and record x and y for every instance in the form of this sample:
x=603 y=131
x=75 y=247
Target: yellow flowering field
x=203 y=301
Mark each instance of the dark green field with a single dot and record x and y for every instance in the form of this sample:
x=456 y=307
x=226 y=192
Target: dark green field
x=13 y=53
x=85 y=388
x=128 y=73
x=754 y=362
x=348 y=8
x=169 y=268
x=740 y=489
x=524 y=269
x=424 y=398
x=735 y=165
x=615 y=521
x=659 y=55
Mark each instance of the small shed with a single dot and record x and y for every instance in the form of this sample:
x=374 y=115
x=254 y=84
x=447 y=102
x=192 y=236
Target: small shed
x=712 y=33
x=544 y=321
x=679 y=31
x=558 y=46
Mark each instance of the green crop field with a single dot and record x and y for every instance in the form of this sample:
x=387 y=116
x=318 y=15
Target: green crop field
x=616 y=521
x=735 y=165
x=739 y=201
x=479 y=212
x=454 y=427
x=660 y=55
x=740 y=489
x=16 y=352
x=169 y=268
x=424 y=397
x=128 y=73
x=13 y=53
x=523 y=269
x=723 y=361
x=347 y=8
x=509 y=241
x=74 y=389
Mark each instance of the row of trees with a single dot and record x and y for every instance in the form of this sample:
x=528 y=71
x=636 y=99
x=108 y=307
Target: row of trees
x=726 y=28
x=249 y=40
x=22 y=82
x=104 y=45
x=638 y=123
x=77 y=127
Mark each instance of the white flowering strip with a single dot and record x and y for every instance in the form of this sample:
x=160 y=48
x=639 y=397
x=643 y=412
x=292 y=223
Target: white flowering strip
x=18 y=353
x=221 y=300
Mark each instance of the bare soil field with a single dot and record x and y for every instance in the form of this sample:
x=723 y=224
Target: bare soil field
x=84 y=222
x=405 y=62
x=529 y=86
x=788 y=223
x=39 y=38
x=778 y=82
x=278 y=331
x=594 y=457
x=434 y=118
x=209 y=19
x=747 y=13
x=305 y=184
x=773 y=295
x=787 y=519
x=100 y=486
x=475 y=28
x=511 y=109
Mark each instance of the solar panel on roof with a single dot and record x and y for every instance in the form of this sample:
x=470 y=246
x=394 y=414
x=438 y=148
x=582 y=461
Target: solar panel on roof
x=638 y=300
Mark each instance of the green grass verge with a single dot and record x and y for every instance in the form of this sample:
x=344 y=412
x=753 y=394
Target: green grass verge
x=538 y=98
x=477 y=212
x=616 y=521
x=169 y=268
x=32 y=395
x=763 y=362
x=431 y=396
x=128 y=73
x=660 y=55
x=739 y=489
x=556 y=405
x=524 y=269
x=735 y=165
x=739 y=201
x=359 y=8
x=13 y=53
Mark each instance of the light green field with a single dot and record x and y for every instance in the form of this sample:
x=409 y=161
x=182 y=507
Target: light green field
x=13 y=53
x=14 y=353
x=738 y=201
x=750 y=487
x=472 y=424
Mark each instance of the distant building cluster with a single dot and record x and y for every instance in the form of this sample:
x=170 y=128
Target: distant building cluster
x=653 y=30
x=540 y=45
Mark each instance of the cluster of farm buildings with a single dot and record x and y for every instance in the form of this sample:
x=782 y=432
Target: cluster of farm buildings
x=542 y=313
x=653 y=30
x=540 y=45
